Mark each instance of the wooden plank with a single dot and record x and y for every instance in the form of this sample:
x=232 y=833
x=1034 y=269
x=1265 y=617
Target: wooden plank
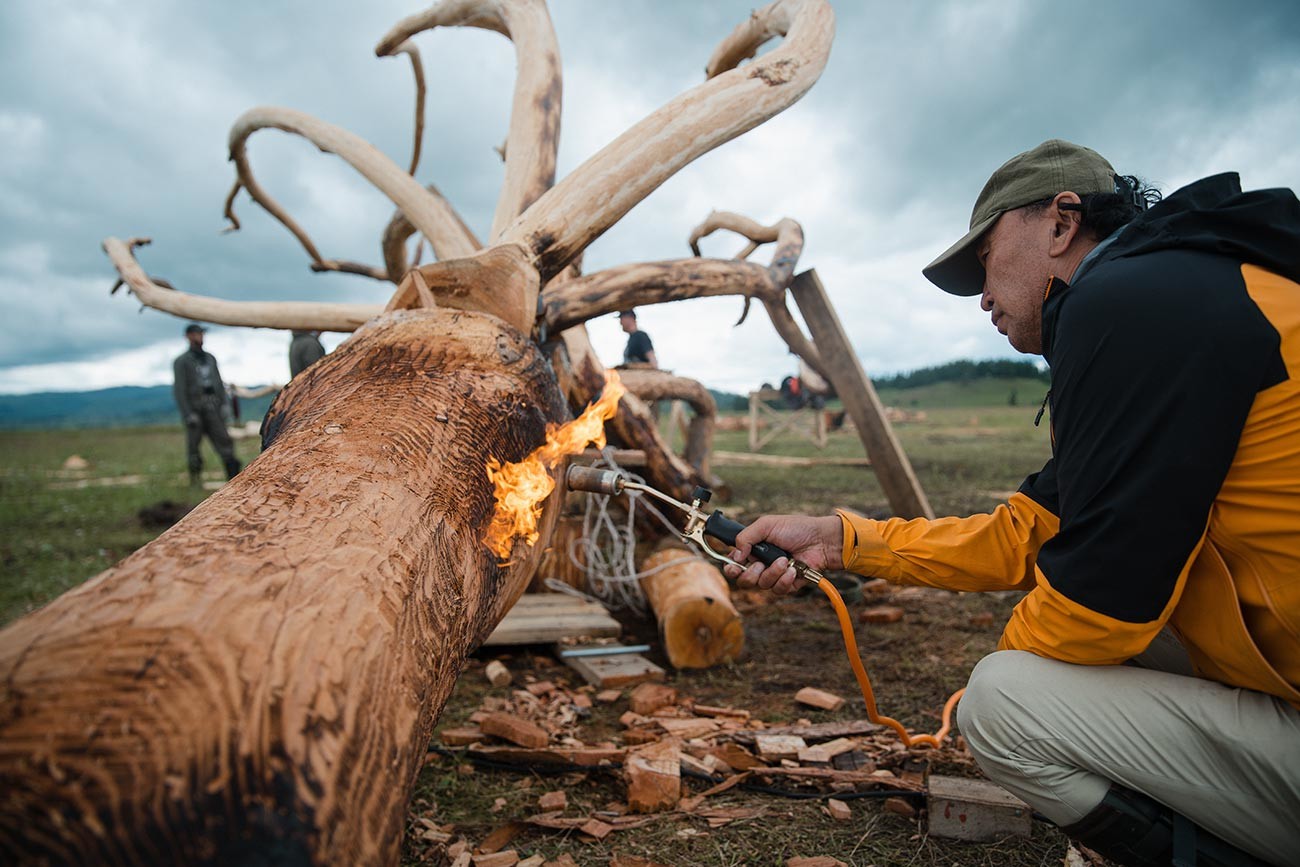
x=859 y=398
x=745 y=459
x=541 y=618
x=623 y=669
x=965 y=809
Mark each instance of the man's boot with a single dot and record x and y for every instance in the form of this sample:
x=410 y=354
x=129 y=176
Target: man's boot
x=1131 y=829
x=196 y=478
x=232 y=466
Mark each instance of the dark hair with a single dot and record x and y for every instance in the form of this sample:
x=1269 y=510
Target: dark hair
x=1100 y=214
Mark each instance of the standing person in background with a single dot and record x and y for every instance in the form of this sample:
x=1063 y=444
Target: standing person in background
x=304 y=350
x=639 y=349
x=200 y=396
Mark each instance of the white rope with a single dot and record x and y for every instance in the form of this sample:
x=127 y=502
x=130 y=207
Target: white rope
x=608 y=547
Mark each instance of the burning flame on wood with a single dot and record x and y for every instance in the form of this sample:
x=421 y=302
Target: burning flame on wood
x=521 y=487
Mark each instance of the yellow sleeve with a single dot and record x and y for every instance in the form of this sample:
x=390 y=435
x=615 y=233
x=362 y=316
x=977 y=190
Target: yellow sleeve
x=994 y=551
x=1050 y=624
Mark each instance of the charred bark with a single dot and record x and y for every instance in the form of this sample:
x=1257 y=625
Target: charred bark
x=259 y=684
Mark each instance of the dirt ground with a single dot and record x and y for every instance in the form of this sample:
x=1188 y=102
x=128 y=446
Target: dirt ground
x=793 y=642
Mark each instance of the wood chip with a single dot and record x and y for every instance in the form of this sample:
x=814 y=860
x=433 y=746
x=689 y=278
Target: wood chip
x=542 y=687
x=596 y=828
x=508 y=858
x=776 y=747
x=711 y=710
x=688 y=728
x=497 y=673
x=565 y=860
x=654 y=780
x=609 y=696
x=462 y=860
x=649 y=697
x=853 y=760
x=828 y=751
x=636 y=737
x=532 y=861
x=581 y=700
x=818 y=698
x=515 y=729
x=899 y=806
x=877 y=587
x=737 y=757
x=815 y=861
x=881 y=614
x=500 y=837
x=838 y=810
x=983 y=618
x=552 y=801
x=461 y=736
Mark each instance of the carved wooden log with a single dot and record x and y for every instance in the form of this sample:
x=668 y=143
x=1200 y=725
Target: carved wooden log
x=582 y=377
x=260 y=683
x=698 y=624
x=652 y=385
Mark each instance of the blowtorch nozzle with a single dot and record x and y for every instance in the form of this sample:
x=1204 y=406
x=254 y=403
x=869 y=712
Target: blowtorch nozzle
x=595 y=481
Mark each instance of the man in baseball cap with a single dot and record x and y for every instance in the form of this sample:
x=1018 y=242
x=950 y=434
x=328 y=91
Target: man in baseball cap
x=1145 y=695
x=1052 y=167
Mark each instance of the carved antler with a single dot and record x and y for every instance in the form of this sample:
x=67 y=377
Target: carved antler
x=534 y=136
x=788 y=236
x=430 y=214
x=506 y=278
x=579 y=208
x=299 y=315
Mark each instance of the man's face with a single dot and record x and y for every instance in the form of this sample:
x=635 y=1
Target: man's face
x=1016 y=269
x=628 y=323
x=195 y=338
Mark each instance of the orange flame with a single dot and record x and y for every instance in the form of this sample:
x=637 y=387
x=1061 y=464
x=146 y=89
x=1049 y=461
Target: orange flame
x=521 y=487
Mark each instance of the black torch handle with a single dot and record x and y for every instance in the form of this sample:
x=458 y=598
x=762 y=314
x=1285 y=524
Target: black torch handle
x=722 y=528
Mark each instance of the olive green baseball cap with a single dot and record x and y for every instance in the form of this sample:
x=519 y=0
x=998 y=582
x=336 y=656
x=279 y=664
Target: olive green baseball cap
x=1055 y=166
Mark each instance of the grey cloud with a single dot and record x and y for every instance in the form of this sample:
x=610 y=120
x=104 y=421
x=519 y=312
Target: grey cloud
x=116 y=114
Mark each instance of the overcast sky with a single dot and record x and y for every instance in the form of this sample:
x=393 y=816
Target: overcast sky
x=114 y=116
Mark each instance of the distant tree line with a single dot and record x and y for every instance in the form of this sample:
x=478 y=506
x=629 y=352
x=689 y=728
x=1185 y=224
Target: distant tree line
x=964 y=371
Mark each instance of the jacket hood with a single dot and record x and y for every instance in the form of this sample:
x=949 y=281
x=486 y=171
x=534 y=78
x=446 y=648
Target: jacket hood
x=1261 y=227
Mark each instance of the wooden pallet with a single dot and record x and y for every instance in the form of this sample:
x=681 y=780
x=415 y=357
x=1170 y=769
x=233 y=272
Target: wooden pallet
x=545 y=618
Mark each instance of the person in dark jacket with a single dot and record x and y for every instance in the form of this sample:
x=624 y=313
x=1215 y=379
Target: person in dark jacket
x=200 y=396
x=1146 y=691
x=639 y=350
x=304 y=350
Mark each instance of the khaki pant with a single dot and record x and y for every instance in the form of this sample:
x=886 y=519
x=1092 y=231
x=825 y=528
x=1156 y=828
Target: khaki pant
x=211 y=424
x=1057 y=735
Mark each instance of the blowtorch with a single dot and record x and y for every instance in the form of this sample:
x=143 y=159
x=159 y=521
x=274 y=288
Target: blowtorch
x=699 y=523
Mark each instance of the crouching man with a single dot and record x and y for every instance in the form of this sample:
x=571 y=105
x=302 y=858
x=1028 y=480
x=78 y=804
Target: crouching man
x=1146 y=691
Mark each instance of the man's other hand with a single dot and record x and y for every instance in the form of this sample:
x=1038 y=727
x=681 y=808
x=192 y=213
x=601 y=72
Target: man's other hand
x=192 y=420
x=816 y=541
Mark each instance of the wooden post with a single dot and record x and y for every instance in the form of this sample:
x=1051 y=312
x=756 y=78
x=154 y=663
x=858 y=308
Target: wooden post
x=753 y=421
x=859 y=397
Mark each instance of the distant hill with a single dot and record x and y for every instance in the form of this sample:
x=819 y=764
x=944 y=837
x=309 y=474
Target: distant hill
x=997 y=382
x=124 y=406
x=136 y=406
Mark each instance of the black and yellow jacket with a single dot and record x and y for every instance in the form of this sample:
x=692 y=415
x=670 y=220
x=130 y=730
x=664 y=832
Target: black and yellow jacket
x=1173 y=494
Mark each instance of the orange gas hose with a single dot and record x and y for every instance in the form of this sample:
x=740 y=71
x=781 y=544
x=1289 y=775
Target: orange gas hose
x=855 y=660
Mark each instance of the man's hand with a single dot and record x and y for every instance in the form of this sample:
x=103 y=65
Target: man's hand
x=816 y=541
x=192 y=420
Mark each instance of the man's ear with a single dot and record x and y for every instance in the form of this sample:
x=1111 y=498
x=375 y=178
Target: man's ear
x=1067 y=222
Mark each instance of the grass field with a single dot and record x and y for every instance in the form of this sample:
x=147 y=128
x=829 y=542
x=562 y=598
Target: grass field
x=972 y=448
